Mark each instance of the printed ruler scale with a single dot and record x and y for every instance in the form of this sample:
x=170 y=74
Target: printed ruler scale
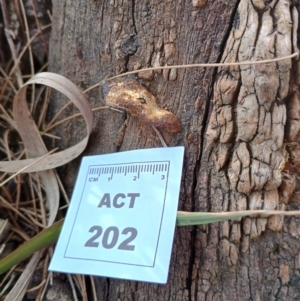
x=122 y=216
x=129 y=168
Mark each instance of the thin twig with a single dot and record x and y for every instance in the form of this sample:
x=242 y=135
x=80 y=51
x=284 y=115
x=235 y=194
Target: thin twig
x=44 y=277
x=36 y=287
x=162 y=141
x=21 y=233
x=46 y=285
x=5 y=277
x=8 y=205
x=17 y=62
x=56 y=115
x=41 y=199
x=18 y=188
x=93 y=288
x=71 y=117
x=39 y=26
x=62 y=189
x=8 y=284
x=8 y=80
x=11 y=43
x=29 y=50
x=72 y=287
x=203 y=65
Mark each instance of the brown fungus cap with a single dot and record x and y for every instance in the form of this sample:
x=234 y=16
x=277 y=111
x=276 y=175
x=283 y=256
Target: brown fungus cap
x=138 y=102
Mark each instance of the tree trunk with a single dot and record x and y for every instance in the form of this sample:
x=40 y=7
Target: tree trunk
x=239 y=126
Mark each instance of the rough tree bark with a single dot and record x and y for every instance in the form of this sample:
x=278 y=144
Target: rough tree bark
x=239 y=126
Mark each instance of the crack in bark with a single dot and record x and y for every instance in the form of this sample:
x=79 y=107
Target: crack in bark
x=133 y=17
x=108 y=288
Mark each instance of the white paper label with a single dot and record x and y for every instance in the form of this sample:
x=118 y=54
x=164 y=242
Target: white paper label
x=122 y=216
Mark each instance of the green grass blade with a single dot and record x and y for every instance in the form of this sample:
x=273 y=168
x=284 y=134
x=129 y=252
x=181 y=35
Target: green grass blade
x=50 y=235
x=201 y=218
x=42 y=240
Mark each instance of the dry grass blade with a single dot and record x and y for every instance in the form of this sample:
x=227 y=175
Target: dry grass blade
x=17 y=293
x=36 y=151
x=23 y=169
x=30 y=134
x=33 y=141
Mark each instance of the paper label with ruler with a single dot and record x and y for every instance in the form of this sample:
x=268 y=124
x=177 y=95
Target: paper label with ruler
x=122 y=215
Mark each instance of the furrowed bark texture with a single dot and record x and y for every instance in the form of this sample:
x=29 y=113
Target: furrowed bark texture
x=239 y=125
